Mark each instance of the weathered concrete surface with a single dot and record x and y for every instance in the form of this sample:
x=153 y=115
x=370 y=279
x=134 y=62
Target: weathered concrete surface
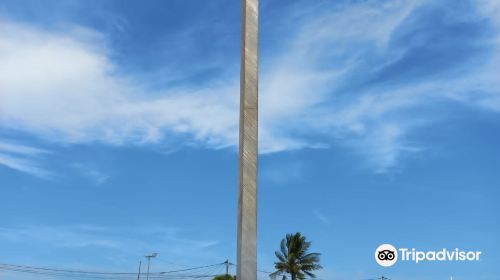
x=247 y=197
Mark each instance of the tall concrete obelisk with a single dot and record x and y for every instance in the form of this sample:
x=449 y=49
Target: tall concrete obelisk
x=247 y=197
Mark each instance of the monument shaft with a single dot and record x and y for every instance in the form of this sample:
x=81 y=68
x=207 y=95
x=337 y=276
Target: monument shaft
x=247 y=197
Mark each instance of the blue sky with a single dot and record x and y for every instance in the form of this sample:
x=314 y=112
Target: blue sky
x=379 y=122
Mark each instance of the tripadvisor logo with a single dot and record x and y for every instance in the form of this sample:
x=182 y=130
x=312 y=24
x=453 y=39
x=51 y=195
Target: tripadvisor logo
x=387 y=255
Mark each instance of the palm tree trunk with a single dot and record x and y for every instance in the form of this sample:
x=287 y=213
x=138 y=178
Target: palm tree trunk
x=294 y=277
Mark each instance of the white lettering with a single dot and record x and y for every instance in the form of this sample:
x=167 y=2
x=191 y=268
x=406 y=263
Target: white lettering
x=442 y=255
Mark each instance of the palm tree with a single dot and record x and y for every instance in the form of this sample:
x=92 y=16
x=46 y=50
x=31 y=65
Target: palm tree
x=294 y=260
x=224 y=277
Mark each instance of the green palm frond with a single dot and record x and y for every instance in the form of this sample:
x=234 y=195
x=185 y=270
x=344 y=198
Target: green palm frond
x=275 y=274
x=280 y=257
x=310 y=274
x=294 y=259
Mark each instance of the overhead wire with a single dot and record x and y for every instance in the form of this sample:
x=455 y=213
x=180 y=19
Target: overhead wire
x=199 y=272
x=192 y=272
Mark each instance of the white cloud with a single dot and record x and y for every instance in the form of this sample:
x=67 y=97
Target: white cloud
x=21 y=158
x=373 y=122
x=63 y=86
x=297 y=91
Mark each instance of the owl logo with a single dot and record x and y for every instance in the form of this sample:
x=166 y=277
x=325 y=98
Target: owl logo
x=386 y=255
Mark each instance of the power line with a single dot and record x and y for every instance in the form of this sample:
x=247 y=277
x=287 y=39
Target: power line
x=192 y=272
x=172 y=263
x=199 y=272
x=65 y=274
x=262 y=271
x=65 y=270
x=193 y=268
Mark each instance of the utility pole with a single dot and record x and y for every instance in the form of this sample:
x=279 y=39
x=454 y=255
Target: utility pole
x=247 y=189
x=153 y=255
x=139 y=272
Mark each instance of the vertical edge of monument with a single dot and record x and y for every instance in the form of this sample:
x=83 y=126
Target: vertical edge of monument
x=247 y=197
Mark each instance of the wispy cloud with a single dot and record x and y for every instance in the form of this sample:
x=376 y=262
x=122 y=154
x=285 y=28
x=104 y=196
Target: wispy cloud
x=93 y=174
x=129 y=243
x=64 y=88
x=321 y=217
x=376 y=78
x=22 y=158
x=347 y=74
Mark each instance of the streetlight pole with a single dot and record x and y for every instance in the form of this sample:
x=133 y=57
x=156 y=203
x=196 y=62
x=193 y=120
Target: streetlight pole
x=153 y=255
